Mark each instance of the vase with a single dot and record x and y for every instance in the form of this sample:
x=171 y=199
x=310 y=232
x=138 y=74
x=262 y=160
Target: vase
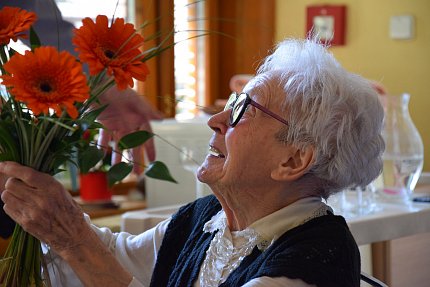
x=94 y=187
x=403 y=155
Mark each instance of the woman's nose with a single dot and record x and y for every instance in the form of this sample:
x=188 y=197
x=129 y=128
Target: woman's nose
x=220 y=122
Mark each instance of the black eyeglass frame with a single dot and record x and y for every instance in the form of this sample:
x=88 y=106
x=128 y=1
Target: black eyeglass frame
x=248 y=101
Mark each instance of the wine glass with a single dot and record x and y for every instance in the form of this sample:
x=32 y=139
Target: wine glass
x=191 y=158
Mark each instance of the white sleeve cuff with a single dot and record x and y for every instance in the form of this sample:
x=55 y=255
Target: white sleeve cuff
x=135 y=283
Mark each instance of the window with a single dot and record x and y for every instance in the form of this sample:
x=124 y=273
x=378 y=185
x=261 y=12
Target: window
x=188 y=57
x=72 y=10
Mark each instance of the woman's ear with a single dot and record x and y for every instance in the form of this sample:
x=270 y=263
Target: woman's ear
x=294 y=164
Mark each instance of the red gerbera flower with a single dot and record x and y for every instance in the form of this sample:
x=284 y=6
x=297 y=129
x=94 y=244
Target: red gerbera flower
x=115 y=48
x=13 y=23
x=46 y=79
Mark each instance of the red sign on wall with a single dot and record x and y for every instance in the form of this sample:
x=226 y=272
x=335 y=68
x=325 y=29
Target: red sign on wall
x=328 y=22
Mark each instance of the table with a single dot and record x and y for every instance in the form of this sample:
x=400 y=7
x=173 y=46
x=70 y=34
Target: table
x=389 y=221
x=117 y=206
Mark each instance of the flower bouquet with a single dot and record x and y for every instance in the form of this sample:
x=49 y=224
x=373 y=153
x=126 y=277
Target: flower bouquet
x=48 y=103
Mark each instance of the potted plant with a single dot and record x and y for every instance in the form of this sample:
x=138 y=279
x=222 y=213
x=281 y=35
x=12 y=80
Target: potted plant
x=96 y=172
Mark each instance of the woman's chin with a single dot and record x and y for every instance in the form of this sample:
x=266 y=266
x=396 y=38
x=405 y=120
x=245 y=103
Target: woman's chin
x=210 y=171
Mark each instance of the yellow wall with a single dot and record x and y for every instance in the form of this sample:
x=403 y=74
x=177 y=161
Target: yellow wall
x=400 y=65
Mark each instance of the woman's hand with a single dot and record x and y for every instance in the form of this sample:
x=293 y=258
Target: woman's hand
x=127 y=112
x=43 y=207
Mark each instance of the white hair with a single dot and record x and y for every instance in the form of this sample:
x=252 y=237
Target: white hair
x=329 y=108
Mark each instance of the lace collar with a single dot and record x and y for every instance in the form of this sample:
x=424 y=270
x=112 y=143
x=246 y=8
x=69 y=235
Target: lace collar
x=228 y=249
x=271 y=227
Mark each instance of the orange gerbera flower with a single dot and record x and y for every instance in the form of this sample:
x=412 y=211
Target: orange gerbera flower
x=46 y=79
x=115 y=48
x=13 y=23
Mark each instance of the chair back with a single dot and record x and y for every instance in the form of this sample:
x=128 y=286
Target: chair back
x=369 y=279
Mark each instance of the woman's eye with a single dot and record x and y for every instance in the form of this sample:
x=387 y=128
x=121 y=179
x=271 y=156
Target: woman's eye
x=249 y=112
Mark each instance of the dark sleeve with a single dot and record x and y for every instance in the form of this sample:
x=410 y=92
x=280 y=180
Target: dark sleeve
x=6 y=223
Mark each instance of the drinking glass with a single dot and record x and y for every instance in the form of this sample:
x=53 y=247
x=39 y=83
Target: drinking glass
x=353 y=202
x=191 y=158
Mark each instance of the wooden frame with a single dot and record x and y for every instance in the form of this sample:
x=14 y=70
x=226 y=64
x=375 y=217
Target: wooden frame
x=241 y=33
x=159 y=87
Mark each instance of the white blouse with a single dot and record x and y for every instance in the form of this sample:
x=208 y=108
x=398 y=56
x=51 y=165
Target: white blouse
x=138 y=253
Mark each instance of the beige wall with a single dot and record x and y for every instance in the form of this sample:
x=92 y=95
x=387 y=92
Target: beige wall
x=400 y=65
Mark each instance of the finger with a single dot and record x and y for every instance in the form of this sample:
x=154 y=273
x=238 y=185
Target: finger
x=20 y=190
x=150 y=149
x=104 y=138
x=26 y=174
x=25 y=219
x=116 y=154
x=153 y=114
x=14 y=206
x=149 y=144
x=14 y=213
x=27 y=200
x=149 y=110
x=137 y=155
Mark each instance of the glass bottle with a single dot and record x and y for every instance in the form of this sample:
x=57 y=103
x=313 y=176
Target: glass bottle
x=404 y=152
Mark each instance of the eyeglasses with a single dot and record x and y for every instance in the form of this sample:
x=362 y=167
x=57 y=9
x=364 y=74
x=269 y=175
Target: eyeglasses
x=239 y=102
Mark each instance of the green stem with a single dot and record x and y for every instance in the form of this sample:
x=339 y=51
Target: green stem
x=44 y=147
x=58 y=122
x=97 y=93
x=38 y=132
x=24 y=143
x=95 y=80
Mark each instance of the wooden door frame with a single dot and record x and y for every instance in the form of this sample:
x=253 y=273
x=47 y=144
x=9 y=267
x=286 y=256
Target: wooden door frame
x=159 y=88
x=241 y=33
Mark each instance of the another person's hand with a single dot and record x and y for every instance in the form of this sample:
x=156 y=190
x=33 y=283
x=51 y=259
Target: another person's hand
x=239 y=81
x=43 y=207
x=378 y=87
x=127 y=112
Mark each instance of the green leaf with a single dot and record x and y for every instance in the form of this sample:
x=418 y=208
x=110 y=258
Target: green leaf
x=90 y=117
x=159 y=170
x=95 y=125
x=118 y=172
x=7 y=142
x=89 y=158
x=34 y=39
x=134 y=139
x=58 y=161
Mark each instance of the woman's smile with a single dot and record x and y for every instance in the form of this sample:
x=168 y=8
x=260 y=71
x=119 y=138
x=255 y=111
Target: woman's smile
x=213 y=151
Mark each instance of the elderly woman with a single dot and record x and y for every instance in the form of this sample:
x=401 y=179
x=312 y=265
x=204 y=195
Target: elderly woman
x=303 y=129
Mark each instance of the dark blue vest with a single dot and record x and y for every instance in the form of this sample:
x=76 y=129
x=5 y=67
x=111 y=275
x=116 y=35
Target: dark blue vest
x=322 y=251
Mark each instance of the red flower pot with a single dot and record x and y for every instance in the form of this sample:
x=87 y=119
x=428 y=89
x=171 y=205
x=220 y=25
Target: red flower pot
x=94 y=186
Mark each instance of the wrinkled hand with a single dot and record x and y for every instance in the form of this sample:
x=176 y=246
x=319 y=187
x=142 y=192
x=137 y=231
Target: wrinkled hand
x=42 y=206
x=127 y=112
